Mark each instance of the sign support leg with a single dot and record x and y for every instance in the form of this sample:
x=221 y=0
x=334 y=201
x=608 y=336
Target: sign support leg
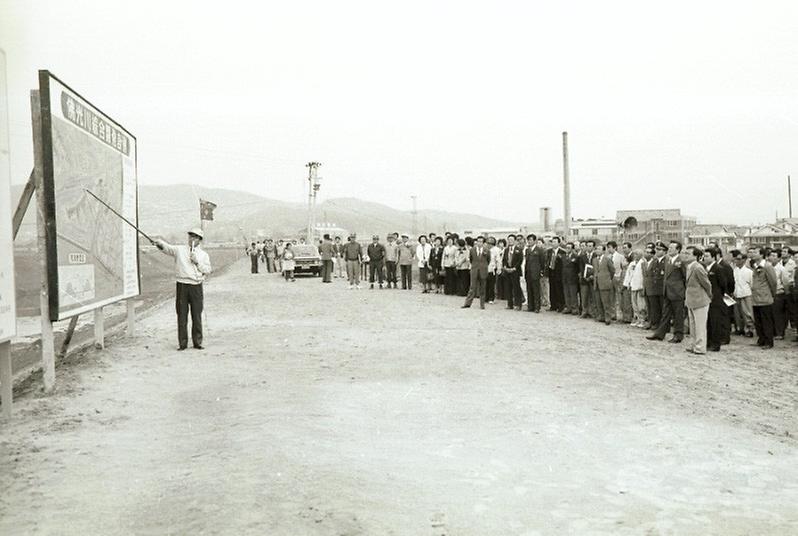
x=131 y=317
x=99 y=328
x=6 y=379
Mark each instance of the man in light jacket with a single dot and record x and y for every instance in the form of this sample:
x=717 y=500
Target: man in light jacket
x=192 y=266
x=697 y=295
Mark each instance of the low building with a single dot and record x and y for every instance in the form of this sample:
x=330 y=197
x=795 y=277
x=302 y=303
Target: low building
x=783 y=233
x=650 y=225
x=704 y=234
x=598 y=229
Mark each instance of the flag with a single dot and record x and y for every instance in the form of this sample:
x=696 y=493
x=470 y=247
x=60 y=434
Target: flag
x=206 y=210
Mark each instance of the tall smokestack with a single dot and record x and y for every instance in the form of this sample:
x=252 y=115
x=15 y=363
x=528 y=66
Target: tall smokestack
x=566 y=186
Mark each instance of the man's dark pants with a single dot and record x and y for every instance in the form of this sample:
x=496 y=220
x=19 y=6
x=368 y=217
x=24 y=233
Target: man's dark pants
x=189 y=297
x=780 y=314
x=586 y=295
x=391 y=269
x=513 y=292
x=254 y=261
x=654 y=307
x=407 y=276
x=671 y=310
x=326 y=270
x=533 y=294
x=490 y=288
x=376 y=269
x=478 y=285
x=764 y=324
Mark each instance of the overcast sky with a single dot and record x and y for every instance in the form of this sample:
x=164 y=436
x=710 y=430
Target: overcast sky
x=690 y=105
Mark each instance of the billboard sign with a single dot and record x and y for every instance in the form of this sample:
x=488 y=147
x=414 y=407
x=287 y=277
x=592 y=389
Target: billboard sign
x=93 y=256
x=8 y=311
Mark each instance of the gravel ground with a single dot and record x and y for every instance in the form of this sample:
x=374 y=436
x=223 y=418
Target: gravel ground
x=316 y=410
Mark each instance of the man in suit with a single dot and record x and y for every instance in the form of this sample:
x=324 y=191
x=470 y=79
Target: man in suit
x=512 y=263
x=554 y=262
x=480 y=258
x=698 y=295
x=534 y=265
x=655 y=282
x=673 y=304
x=725 y=264
x=586 y=273
x=717 y=307
x=570 y=279
x=605 y=273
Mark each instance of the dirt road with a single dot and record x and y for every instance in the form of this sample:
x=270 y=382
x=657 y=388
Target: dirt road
x=316 y=410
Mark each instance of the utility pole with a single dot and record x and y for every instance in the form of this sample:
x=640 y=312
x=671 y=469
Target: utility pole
x=789 y=193
x=566 y=187
x=414 y=232
x=313 y=188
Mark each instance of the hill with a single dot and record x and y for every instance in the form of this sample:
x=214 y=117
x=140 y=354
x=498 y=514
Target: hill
x=169 y=210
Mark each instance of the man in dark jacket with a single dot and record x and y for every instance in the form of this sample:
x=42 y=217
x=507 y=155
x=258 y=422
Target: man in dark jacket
x=585 y=266
x=654 y=282
x=570 y=279
x=376 y=255
x=554 y=262
x=511 y=269
x=718 y=310
x=534 y=264
x=673 y=308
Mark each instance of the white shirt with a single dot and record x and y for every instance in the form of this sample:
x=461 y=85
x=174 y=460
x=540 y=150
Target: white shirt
x=743 y=277
x=187 y=271
x=637 y=281
x=779 y=268
x=495 y=259
x=423 y=251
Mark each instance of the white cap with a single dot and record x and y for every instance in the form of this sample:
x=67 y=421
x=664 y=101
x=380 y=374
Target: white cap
x=196 y=231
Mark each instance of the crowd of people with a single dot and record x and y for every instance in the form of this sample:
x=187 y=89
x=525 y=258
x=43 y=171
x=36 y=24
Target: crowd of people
x=709 y=293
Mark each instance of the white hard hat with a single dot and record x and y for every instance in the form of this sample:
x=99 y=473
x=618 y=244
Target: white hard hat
x=196 y=231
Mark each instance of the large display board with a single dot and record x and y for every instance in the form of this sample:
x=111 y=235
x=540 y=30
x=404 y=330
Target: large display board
x=93 y=256
x=8 y=311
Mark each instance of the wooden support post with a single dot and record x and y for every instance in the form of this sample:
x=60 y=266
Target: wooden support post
x=48 y=344
x=131 y=317
x=24 y=201
x=6 y=379
x=73 y=322
x=99 y=328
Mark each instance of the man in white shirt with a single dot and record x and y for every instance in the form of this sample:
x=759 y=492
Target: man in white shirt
x=743 y=307
x=192 y=266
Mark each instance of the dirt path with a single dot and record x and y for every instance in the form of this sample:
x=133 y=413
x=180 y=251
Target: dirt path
x=319 y=410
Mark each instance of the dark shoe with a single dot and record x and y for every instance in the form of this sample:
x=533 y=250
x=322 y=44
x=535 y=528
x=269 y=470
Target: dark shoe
x=654 y=338
x=689 y=350
x=537 y=311
x=510 y=307
x=675 y=340
x=199 y=347
x=465 y=307
x=767 y=346
x=608 y=322
x=371 y=286
x=481 y=306
x=713 y=348
x=181 y=348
